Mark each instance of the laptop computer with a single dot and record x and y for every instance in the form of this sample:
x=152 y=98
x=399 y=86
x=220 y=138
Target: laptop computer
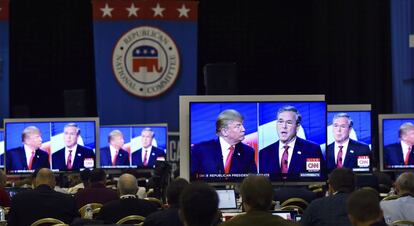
x=286 y=214
x=227 y=199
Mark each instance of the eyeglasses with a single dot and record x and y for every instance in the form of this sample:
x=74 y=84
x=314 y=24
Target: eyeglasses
x=288 y=123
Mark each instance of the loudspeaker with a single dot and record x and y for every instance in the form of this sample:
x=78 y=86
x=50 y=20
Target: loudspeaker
x=220 y=79
x=75 y=102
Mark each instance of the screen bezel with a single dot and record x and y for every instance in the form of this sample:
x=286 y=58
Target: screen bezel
x=352 y=108
x=381 y=118
x=185 y=102
x=98 y=158
x=4 y=147
x=51 y=120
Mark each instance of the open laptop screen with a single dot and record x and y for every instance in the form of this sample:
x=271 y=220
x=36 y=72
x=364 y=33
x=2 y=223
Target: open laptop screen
x=287 y=215
x=227 y=198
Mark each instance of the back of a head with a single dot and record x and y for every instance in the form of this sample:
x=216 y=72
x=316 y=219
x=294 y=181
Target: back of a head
x=127 y=184
x=45 y=177
x=257 y=192
x=199 y=204
x=363 y=206
x=97 y=175
x=405 y=183
x=174 y=190
x=342 y=180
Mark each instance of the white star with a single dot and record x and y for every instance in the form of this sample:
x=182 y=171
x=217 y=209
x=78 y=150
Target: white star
x=107 y=11
x=132 y=10
x=158 y=10
x=183 y=11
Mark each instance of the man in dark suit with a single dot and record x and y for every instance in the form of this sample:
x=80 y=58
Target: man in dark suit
x=42 y=202
x=147 y=156
x=401 y=153
x=226 y=154
x=288 y=156
x=344 y=152
x=114 y=155
x=127 y=204
x=29 y=156
x=72 y=156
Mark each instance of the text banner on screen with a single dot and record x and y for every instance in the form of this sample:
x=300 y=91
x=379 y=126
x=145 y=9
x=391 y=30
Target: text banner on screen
x=145 y=58
x=4 y=60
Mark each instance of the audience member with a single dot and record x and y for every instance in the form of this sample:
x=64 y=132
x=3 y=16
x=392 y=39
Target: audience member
x=128 y=204
x=257 y=194
x=401 y=208
x=4 y=196
x=96 y=192
x=331 y=210
x=169 y=216
x=284 y=193
x=42 y=202
x=364 y=209
x=199 y=205
x=84 y=177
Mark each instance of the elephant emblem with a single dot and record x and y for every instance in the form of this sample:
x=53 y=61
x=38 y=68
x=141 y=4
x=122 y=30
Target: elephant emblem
x=147 y=57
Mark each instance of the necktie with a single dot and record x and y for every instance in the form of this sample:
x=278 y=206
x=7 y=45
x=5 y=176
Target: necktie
x=145 y=162
x=114 y=159
x=407 y=156
x=228 y=160
x=339 y=158
x=69 y=162
x=285 y=158
x=31 y=160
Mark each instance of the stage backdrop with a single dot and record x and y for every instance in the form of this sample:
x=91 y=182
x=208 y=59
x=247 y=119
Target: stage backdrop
x=145 y=58
x=4 y=60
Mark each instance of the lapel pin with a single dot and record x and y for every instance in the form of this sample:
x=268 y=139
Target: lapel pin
x=299 y=152
x=352 y=151
x=152 y=153
x=79 y=154
x=238 y=153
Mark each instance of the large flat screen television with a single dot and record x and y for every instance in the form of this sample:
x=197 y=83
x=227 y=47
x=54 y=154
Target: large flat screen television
x=225 y=138
x=132 y=146
x=1 y=148
x=61 y=144
x=349 y=137
x=396 y=137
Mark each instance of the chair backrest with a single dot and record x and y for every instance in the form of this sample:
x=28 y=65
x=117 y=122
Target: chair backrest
x=293 y=207
x=158 y=203
x=47 y=221
x=296 y=202
x=131 y=219
x=95 y=209
x=402 y=222
x=390 y=197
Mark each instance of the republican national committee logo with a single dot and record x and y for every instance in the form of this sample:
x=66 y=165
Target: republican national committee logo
x=146 y=61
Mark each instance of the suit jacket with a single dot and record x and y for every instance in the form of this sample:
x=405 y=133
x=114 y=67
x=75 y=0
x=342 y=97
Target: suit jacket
x=155 y=153
x=207 y=158
x=354 y=150
x=398 y=209
x=269 y=158
x=166 y=217
x=121 y=160
x=59 y=162
x=41 y=202
x=96 y=192
x=16 y=159
x=261 y=218
x=115 y=210
x=393 y=155
x=327 y=211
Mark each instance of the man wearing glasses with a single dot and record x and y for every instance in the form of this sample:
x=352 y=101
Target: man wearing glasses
x=288 y=156
x=345 y=152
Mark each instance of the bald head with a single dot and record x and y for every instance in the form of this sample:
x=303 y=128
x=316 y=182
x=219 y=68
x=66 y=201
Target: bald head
x=127 y=184
x=45 y=176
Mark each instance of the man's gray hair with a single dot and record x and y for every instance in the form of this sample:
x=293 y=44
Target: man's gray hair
x=113 y=134
x=72 y=124
x=147 y=129
x=344 y=115
x=404 y=128
x=406 y=182
x=29 y=130
x=225 y=118
x=127 y=184
x=291 y=109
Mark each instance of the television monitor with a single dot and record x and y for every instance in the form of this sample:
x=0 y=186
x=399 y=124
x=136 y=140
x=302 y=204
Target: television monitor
x=396 y=137
x=61 y=144
x=138 y=146
x=203 y=156
x=349 y=137
x=1 y=148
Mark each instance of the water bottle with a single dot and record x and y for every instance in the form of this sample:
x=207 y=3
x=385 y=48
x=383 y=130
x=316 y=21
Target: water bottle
x=2 y=214
x=277 y=205
x=88 y=212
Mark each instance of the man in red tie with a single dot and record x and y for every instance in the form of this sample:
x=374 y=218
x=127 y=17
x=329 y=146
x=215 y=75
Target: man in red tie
x=226 y=154
x=287 y=157
x=147 y=156
x=344 y=151
x=113 y=155
x=29 y=156
x=401 y=153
